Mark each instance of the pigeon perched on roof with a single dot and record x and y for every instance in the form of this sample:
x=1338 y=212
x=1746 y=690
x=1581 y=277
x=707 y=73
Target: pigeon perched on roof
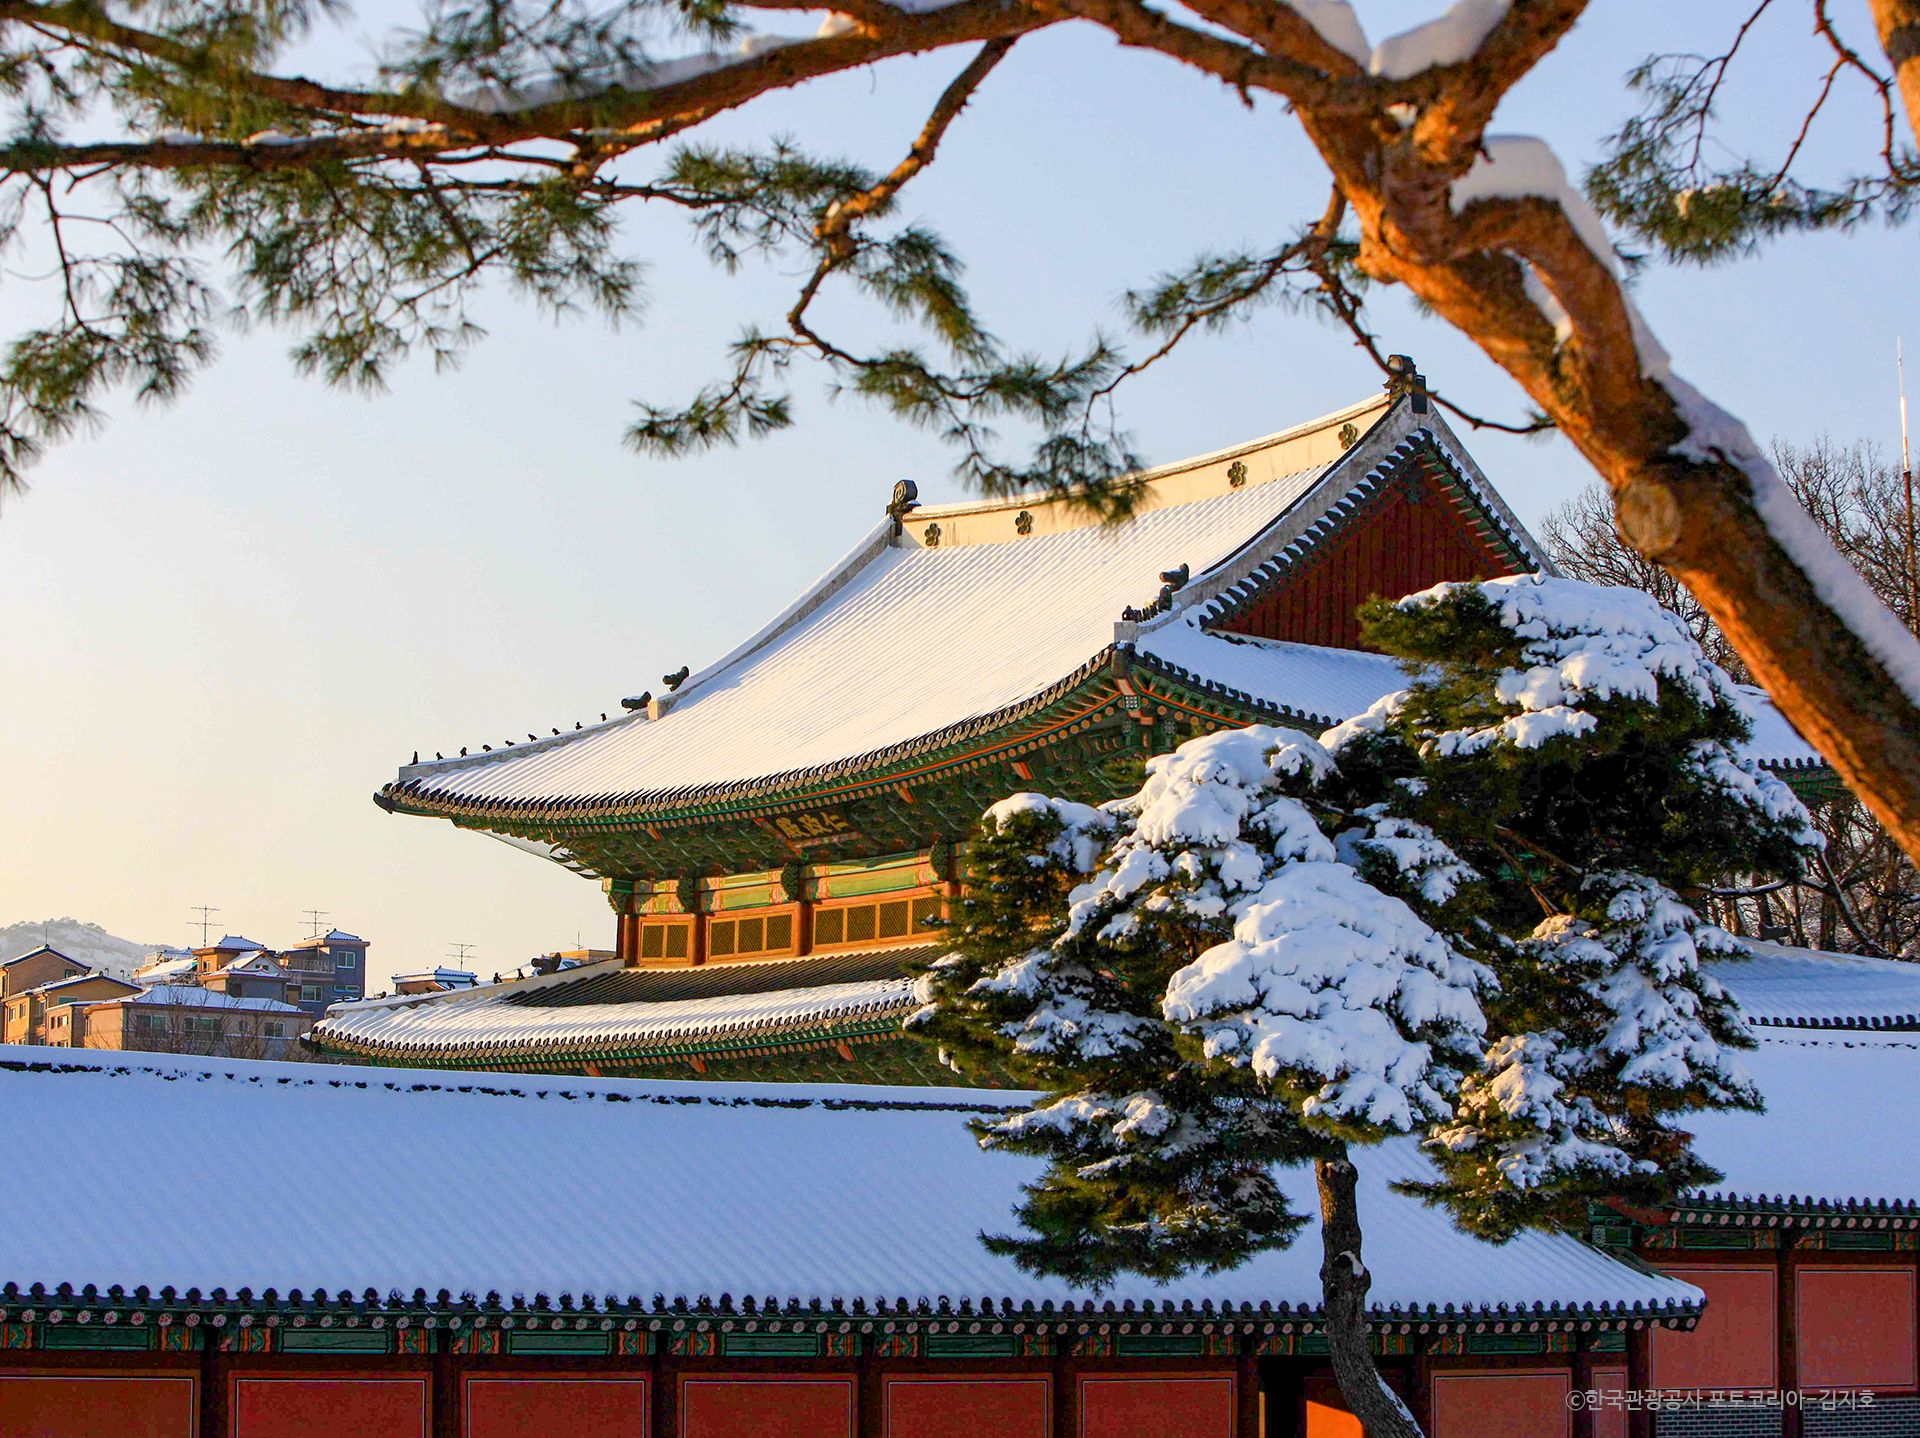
x=677 y=678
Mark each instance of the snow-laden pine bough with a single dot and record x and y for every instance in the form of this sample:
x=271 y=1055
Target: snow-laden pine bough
x=1461 y=915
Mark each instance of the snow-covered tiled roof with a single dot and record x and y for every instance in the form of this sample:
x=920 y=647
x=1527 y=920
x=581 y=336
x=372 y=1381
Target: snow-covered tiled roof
x=817 y=1192
x=1786 y=987
x=500 y=1026
x=236 y=942
x=1015 y=617
x=1836 y=1133
x=184 y=996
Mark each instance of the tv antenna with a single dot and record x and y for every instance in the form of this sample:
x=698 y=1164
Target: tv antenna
x=461 y=952
x=206 y=913
x=314 y=916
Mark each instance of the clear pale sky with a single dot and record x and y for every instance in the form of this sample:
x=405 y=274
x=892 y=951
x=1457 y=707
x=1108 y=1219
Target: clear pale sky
x=223 y=625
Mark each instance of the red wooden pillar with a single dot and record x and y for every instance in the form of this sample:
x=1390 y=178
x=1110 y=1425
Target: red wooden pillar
x=445 y=1389
x=1247 y=1392
x=869 y=1400
x=216 y=1403
x=1639 y=1381
x=1066 y=1392
x=1420 y=1391
x=1787 y=1339
x=666 y=1392
x=1582 y=1418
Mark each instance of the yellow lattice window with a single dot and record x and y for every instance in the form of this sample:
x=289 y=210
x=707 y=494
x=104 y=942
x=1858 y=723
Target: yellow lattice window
x=876 y=921
x=749 y=937
x=666 y=942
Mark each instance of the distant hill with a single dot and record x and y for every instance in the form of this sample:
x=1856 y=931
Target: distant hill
x=86 y=943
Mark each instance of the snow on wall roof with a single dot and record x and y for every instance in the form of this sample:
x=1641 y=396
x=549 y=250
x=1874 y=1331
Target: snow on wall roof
x=488 y=1021
x=828 y=1192
x=1837 y=1130
x=1783 y=986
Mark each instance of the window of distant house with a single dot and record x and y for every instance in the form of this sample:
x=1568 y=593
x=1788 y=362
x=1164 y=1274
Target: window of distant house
x=310 y=993
x=742 y=938
x=666 y=941
x=203 y=1028
x=874 y=921
x=150 y=1023
x=344 y=958
x=273 y=1029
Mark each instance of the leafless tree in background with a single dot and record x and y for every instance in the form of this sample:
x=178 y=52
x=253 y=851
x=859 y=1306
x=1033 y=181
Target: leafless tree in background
x=1868 y=900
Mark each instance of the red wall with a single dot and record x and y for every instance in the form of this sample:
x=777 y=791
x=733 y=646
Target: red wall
x=1505 y=1404
x=1856 y=1327
x=937 y=1406
x=507 y=1406
x=772 y=1407
x=343 y=1405
x=77 y=1405
x=1128 y=1406
x=1733 y=1346
x=1395 y=548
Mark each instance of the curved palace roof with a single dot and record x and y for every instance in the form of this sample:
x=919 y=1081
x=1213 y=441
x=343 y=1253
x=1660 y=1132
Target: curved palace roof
x=963 y=617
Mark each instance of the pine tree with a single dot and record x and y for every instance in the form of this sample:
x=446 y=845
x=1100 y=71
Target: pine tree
x=1460 y=916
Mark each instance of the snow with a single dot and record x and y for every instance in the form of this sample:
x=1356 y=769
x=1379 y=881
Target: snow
x=764 y=711
x=1783 y=986
x=1336 y=23
x=1327 y=977
x=1525 y=167
x=1838 y=1111
x=1447 y=40
x=808 y=1191
x=1588 y=643
x=1713 y=433
x=186 y=997
x=84 y=943
x=1083 y=828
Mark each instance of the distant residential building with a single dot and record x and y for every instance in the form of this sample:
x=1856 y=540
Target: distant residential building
x=44 y=1014
x=34 y=968
x=328 y=969
x=184 y=1018
x=22 y=1010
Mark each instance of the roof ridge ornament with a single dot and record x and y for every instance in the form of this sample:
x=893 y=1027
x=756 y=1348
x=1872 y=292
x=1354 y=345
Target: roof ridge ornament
x=1404 y=378
x=906 y=499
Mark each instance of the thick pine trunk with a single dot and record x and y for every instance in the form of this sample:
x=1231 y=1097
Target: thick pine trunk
x=1898 y=25
x=1344 y=1282
x=1699 y=522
